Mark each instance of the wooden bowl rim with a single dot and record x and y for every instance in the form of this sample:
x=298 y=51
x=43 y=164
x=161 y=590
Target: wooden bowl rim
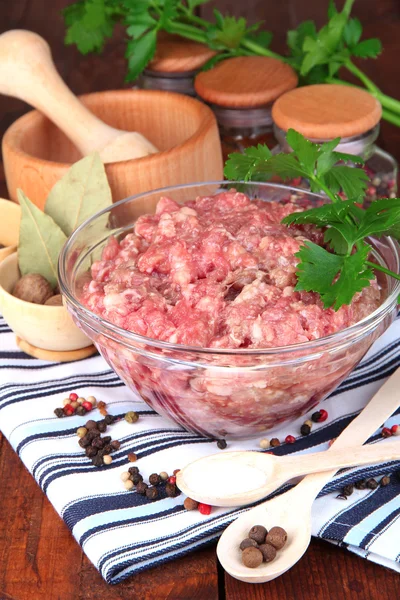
x=18 y=302
x=11 y=140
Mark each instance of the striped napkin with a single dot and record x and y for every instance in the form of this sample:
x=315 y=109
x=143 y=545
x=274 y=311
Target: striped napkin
x=123 y=533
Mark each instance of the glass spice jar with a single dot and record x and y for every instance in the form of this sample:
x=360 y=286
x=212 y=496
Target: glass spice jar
x=325 y=111
x=241 y=91
x=175 y=65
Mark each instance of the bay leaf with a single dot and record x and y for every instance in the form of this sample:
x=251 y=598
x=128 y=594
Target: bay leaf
x=40 y=241
x=83 y=191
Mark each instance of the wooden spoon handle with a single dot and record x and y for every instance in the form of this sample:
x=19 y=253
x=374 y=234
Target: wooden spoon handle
x=27 y=72
x=338 y=458
x=380 y=407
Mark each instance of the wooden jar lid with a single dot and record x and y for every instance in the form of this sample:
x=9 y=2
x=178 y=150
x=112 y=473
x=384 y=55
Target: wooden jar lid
x=177 y=55
x=327 y=111
x=245 y=82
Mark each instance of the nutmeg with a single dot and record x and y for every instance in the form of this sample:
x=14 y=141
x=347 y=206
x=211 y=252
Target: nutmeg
x=33 y=288
x=54 y=300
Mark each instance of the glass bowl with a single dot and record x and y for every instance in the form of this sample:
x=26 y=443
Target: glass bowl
x=219 y=393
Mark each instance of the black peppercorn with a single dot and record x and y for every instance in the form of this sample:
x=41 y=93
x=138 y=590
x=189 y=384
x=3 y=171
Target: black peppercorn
x=348 y=490
x=316 y=417
x=305 y=429
x=116 y=445
x=171 y=490
x=101 y=426
x=361 y=485
x=385 y=481
x=81 y=411
x=92 y=435
x=136 y=478
x=154 y=479
x=98 y=442
x=85 y=441
x=91 y=424
x=109 y=419
x=152 y=493
x=222 y=444
x=133 y=470
x=141 y=488
x=107 y=439
x=371 y=484
x=98 y=460
x=107 y=449
x=59 y=413
x=90 y=451
x=275 y=442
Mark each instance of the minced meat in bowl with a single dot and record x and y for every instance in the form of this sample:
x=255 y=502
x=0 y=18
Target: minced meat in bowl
x=189 y=294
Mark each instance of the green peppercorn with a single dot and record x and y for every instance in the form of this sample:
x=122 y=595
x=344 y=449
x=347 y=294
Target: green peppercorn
x=131 y=417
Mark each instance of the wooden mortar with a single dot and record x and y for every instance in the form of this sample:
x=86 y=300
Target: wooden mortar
x=36 y=153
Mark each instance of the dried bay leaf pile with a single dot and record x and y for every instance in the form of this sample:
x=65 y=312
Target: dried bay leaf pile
x=82 y=192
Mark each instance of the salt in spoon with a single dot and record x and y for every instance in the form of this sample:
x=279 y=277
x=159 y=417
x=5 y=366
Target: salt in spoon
x=214 y=478
x=292 y=510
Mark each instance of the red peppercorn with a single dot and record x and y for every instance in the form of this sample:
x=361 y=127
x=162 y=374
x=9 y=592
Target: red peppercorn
x=172 y=479
x=394 y=429
x=68 y=410
x=87 y=405
x=386 y=432
x=289 y=439
x=204 y=509
x=73 y=397
x=323 y=415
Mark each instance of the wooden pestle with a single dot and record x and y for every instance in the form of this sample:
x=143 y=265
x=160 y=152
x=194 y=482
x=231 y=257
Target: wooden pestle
x=27 y=72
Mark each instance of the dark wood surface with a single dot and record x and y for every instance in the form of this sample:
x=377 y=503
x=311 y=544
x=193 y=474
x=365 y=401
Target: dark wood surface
x=39 y=559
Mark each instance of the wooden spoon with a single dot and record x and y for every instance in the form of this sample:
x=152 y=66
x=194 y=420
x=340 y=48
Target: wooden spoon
x=214 y=478
x=27 y=72
x=292 y=510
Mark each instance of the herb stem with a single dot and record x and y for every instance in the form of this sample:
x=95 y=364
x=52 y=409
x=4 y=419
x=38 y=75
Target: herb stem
x=383 y=269
x=387 y=115
x=187 y=31
x=257 y=49
x=324 y=188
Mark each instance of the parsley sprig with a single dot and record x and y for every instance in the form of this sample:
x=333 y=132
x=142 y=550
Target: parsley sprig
x=319 y=56
x=342 y=268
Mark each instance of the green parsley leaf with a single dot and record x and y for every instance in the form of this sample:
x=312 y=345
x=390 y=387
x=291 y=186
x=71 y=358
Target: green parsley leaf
x=352 y=32
x=228 y=32
x=192 y=4
x=336 y=278
x=89 y=25
x=368 y=48
x=243 y=167
x=139 y=53
x=351 y=181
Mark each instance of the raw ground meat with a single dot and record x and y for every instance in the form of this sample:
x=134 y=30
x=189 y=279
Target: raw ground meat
x=219 y=273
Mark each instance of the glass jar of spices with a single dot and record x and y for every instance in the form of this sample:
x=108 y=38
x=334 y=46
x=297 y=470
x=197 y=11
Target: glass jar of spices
x=175 y=65
x=241 y=91
x=326 y=111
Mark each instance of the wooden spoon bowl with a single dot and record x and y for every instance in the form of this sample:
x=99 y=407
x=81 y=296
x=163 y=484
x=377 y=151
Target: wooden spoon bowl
x=36 y=153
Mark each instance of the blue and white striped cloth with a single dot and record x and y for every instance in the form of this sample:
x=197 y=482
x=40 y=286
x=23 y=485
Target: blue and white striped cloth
x=121 y=532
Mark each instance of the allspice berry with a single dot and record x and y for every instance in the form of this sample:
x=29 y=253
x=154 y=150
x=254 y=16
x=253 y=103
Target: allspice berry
x=277 y=537
x=248 y=543
x=258 y=533
x=33 y=288
x=190 y=504
x=268 y=552
x=252 y=557
x=54 y=300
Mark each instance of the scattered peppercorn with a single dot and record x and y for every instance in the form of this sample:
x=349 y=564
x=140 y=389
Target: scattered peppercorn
x=265 y=444
x=109 y=419
x=258 y=533
x=171 y=490
x=172 y=479
x=268 y=551
x=348 y=490
x=73 y=397
x=154 y=479
x=164 y=475
x=277 y=537
x=141 y=488
x=252 y=557
x=98 y=460
x=395 y=429
x=91 y=424
x=125 y=476
x=90 y=451
x=128 y=484
x=132 y=457
x=103 y=412
x=309 y=423
x=360 y=485
x=68 y=410
x=290 y=439
x=386 y=432
x=101 y=426
x=190 y=504
x=305 y=429
x=133 y=470
x=107 y=459
x=315 y=417
x=131 y=417
x=371 y=484
x=92 y=400
x=323 y=415
x=204 y=509
x=275 y=442
x=116 y=444
x=222 y=444
x=248 y=543
x=101 y=404
x=385 y=481
x=136 y=478
x=81 y=411
x=59 y=413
